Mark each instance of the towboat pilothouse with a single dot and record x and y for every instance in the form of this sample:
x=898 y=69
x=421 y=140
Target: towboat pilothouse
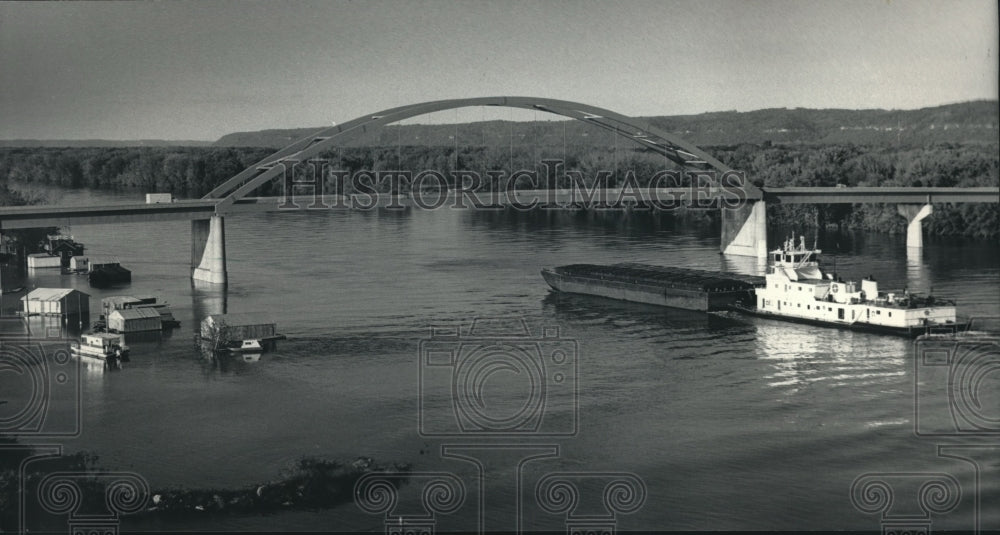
x=796 y=289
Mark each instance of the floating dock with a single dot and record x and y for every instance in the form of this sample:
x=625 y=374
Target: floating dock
x=691 y=289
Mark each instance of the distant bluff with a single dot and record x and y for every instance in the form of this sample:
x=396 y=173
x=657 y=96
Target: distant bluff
x=966 y=122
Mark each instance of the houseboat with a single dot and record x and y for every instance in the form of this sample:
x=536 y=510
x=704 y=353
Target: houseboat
x=108 y=347
x=796 y=289
x=240 y=332
x=114 y=303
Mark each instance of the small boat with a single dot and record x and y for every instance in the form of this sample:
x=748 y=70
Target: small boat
x=110 y=348
x=246 y=346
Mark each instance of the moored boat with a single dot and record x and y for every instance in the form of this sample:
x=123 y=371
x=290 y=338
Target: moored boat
x=246 y=346
x=110 y=348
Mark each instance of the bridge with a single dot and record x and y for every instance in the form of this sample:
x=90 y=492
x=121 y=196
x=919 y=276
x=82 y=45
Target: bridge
x=744 y=228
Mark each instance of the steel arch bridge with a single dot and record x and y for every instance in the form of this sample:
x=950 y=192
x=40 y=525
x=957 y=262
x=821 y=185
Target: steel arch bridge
x=673 y=148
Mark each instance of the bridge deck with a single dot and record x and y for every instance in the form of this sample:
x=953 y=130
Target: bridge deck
x=895 y=195
x=55 y=215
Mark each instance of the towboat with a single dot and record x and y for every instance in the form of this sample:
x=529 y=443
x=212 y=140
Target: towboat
x=108 y=347
x=796 y=289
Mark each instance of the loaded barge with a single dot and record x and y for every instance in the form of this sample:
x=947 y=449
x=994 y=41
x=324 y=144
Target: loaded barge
x=795 y=289
x=691 y=289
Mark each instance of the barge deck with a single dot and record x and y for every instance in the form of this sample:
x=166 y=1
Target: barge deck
x=691 y=289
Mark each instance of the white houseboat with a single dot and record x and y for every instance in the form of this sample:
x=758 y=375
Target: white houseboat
x=796 y=289
x=102 y=346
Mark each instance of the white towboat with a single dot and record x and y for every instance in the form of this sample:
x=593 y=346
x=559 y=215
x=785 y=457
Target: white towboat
x=796 y=289
x=102 y=346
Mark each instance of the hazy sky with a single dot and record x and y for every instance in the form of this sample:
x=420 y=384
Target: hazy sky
x=198 y=70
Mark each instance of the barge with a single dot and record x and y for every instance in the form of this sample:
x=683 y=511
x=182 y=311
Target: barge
x=794 y=289
x=690 y=289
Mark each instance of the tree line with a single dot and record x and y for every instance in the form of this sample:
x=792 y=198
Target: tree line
x=191 y=172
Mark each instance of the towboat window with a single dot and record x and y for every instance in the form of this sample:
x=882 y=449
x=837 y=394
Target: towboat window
x=840 y=313
x=890 y=314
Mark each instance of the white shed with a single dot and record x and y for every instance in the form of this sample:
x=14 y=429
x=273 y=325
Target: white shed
x=56 y=302
x=79 y=263
x=43 y=260
x=157 y=198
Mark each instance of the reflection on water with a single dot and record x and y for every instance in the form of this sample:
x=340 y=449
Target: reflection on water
x=804 y=355
x=95 y=369
x=208 y=299
x=747 y=265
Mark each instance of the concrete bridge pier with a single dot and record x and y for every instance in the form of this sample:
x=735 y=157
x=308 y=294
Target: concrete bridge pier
x=914 y=214
x=744 y=230
x=208 y=250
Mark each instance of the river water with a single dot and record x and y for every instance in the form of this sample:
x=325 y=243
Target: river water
x=729 y=422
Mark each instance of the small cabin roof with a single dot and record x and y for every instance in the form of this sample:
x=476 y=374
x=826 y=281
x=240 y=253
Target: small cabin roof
x=50 y=294
x=119 y=299
x=102 y=260
x=136 y=313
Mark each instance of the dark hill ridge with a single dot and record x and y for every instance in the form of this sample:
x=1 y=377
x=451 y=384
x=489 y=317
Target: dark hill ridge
x=966 y=122
x=58 y=143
